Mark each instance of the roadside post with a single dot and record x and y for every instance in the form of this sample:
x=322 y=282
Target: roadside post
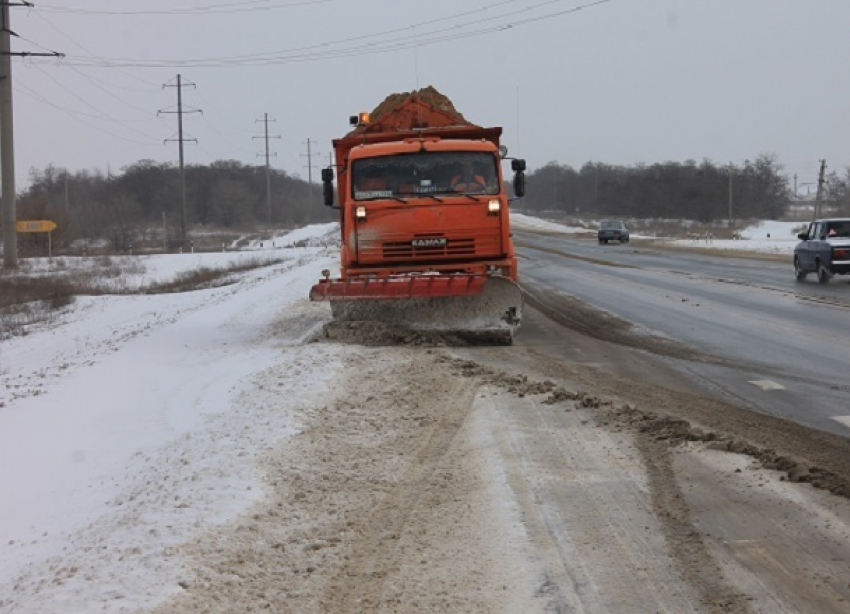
x=47 y=226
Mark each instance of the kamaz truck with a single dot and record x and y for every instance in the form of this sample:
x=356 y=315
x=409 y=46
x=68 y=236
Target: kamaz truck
x=424 y=222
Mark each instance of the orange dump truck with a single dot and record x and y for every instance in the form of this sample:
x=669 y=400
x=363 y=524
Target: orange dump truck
x=423 y=212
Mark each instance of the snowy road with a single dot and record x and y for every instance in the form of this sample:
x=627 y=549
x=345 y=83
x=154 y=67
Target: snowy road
x=207 y=452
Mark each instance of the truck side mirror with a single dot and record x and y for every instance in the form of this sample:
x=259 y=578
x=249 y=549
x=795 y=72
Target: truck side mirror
x=517 y=165
x=519 y=184
x=328 y=186
x=803 y=236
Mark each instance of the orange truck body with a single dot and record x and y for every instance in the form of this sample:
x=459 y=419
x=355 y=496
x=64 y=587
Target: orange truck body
x=446 y=235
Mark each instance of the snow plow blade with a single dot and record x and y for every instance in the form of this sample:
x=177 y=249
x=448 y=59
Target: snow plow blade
x=474 y=308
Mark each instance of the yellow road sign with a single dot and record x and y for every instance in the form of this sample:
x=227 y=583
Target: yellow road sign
x=35 y=226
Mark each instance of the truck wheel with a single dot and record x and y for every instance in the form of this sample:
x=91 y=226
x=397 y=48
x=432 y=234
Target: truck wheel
x=823 y=274
x=799 y=273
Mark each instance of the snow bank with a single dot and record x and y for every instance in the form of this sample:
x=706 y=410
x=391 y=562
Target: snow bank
x=134 y=424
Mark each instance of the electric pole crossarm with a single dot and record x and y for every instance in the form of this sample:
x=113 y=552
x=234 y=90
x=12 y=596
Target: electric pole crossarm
x=32 y=54
x=183 y=112
x=26 y=54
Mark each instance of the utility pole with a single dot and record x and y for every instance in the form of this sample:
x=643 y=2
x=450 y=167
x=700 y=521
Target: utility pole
x=310 y=162
x=796 y=195
x=7 y=141
x=730 y=193
x=265 y=121
x=819 y=194
x=180 y=141
x=596 y=186
x=7 y=146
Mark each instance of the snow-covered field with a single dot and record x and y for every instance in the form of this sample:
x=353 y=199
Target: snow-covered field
x=133 y=422
x=769 y=237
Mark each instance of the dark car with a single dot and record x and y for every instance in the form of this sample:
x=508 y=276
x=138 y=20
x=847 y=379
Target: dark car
x=824 y=249
x=613 y=230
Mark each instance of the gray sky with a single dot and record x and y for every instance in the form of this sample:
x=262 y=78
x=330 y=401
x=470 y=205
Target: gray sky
x=618 y=81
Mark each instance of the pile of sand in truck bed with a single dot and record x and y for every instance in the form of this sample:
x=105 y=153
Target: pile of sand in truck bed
x=429 y=95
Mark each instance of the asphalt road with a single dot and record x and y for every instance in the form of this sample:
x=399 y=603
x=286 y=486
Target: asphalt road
x=740 y=329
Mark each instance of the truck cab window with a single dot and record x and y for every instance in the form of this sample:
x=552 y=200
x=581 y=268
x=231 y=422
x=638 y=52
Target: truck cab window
x=427 y=173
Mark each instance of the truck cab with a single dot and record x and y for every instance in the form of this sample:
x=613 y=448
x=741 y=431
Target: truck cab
x=425 y=203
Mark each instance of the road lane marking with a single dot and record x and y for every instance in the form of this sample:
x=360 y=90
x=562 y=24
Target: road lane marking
x=845 y=420
x=766 y=384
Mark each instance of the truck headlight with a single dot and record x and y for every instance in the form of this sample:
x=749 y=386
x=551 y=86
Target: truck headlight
x=493 y=206
x=360 y=212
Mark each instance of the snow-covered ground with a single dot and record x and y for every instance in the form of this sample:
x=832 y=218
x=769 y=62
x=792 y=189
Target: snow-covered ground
x=770 y=237
x=133 y=422
x=767 y=237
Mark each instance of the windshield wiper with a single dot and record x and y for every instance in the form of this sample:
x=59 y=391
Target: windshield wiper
x=437 y=198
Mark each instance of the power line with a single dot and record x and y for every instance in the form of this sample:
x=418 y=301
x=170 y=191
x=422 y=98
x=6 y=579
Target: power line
x=324 y=45
x=87 y=50
x=195 y=10
x=75 y=114
x=97 y=83
x=101 y=114
x=322 y=52
x=227 y=138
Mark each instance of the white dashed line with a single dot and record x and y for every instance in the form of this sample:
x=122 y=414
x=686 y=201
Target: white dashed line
x=766 y=384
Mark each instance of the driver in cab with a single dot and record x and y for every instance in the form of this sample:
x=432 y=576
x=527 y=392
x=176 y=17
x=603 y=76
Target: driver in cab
x=370 y=180
x=468 y=181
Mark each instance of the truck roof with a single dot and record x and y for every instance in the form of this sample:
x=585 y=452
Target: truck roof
x=414 y=145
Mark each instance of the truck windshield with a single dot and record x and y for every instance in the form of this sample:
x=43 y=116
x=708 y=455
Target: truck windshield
x=425 y=174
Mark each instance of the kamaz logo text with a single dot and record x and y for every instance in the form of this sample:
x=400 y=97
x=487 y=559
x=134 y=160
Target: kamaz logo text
x=437 y=242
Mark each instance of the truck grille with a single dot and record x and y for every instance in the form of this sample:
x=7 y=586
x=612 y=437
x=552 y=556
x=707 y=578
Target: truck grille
x=404 y=250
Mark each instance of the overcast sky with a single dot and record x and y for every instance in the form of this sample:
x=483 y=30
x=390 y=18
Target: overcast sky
x=617 y=81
